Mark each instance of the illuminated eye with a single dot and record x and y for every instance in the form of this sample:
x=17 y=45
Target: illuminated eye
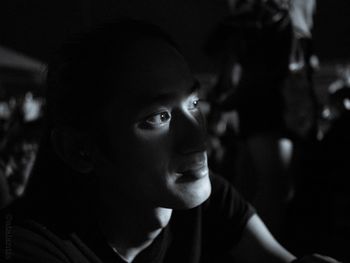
x=194 y=103
x=164 y=116
x=158 y=119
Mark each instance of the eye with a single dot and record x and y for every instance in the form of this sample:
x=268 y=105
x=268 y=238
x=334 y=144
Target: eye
x=157 y=119
x=193 y=103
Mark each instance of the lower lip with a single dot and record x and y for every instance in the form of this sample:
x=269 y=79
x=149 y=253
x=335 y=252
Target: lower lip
x=192 y=175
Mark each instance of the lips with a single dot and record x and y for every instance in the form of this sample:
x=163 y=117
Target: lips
x=194 y=167
x=196 y=173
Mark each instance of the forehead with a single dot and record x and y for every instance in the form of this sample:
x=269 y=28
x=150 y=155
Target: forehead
x=151 y=68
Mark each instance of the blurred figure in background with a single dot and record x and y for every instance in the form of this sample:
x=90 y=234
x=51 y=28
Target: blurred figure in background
x=302 y=106
x=18 y=145
x=267 y=78
x=334 y=167
x=257 y=41
x=21 y=108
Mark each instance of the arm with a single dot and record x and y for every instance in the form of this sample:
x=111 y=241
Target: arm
x=234 y=217
x=258 y=245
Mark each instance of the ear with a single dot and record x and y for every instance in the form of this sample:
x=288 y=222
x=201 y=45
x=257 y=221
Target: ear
x=73 y=148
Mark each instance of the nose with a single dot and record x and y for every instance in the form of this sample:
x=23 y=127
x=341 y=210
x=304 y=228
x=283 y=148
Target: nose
x=188 y=132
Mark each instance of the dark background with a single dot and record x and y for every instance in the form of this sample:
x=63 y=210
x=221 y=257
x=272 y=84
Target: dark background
x=37 y=27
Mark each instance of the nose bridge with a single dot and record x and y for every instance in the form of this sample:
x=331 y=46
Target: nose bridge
x=188 y=131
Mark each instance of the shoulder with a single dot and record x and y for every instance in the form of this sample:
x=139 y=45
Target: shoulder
x=28 y=241
x=225 y=194
x=223 y=216
x=226 y=205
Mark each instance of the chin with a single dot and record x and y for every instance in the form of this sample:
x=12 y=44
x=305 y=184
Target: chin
x=191 y=194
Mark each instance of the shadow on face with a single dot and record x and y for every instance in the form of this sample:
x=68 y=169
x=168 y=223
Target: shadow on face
x=154 y=130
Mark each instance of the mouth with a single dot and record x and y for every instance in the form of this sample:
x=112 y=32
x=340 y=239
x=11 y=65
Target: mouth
x=193 y=171
x=194 y=174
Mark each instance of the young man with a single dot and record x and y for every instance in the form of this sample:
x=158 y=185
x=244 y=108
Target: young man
x=122 y=173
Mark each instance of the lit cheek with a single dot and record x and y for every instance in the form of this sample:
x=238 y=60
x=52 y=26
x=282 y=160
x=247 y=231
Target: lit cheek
x=153 y=147
x=151 y=135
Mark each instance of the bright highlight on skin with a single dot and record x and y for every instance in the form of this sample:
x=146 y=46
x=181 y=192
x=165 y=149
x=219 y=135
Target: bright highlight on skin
x=163 y=116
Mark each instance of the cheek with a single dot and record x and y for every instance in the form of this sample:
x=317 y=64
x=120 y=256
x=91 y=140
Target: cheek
x=151 y=138
x=152 y=145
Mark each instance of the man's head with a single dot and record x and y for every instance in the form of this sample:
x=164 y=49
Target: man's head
x=124 y=104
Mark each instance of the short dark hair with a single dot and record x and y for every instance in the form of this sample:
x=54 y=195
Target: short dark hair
x=76 y=74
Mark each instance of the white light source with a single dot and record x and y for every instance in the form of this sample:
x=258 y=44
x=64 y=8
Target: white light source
x=346 y=103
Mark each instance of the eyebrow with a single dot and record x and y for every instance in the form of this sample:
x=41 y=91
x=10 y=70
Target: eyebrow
x=195 y=87
x=147 y=100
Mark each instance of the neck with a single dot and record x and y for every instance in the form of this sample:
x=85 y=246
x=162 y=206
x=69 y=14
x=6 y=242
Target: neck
x=130 y=229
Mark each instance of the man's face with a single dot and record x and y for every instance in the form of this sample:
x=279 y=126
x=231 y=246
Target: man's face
x=155 y=131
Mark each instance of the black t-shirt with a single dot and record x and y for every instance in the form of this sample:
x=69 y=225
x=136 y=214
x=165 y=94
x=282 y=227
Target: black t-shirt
x=202 y=234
